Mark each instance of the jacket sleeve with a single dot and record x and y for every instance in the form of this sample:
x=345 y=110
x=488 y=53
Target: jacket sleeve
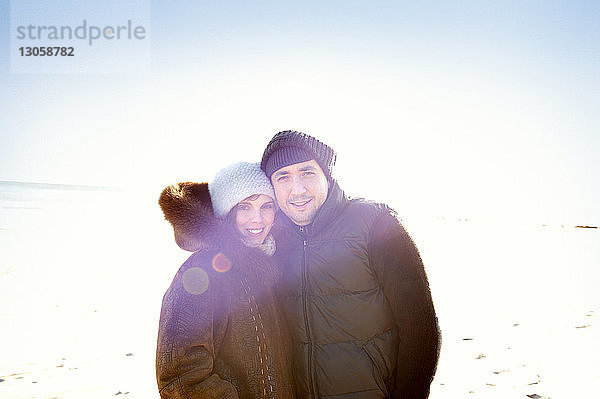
x=188 y=336
x=400 y=270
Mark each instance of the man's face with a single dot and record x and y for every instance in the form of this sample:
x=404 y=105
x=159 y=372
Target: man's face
x=300 y=190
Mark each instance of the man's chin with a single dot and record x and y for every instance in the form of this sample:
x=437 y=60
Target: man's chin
x=301 y=219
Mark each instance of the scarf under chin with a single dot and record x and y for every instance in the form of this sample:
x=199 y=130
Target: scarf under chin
x=268 y=246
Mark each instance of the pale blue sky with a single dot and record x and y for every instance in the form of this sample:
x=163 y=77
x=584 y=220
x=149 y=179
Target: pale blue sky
x=482 y=108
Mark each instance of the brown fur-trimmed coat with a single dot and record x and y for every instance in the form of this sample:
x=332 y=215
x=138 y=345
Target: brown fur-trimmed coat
x=220 y=333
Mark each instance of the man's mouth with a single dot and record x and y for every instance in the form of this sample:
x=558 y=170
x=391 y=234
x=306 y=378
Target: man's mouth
x=255 y=231
x=300 y=204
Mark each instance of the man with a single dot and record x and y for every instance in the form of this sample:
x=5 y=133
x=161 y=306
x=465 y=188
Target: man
x=354 y=290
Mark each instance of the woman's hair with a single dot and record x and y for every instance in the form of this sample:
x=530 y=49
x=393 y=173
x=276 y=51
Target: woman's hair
x=230 y=222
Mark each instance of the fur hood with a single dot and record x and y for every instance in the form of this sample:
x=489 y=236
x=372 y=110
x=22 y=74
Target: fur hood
x=187 y=206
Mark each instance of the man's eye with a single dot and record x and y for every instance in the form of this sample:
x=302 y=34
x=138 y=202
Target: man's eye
x=308 y=173
x=282 y=179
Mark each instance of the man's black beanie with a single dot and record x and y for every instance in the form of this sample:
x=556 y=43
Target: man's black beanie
x=290 y=147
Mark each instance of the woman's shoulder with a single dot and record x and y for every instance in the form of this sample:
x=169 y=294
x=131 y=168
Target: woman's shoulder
x=211 y=261
x=199 y=258
x=199 y=276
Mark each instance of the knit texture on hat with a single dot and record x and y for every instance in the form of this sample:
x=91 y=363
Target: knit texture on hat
x=290 y=147
x=236 y=182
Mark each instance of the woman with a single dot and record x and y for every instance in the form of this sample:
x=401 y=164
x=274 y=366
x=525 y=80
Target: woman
x=220 y=333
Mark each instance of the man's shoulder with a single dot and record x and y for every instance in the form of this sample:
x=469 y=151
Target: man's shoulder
x=366 y=216
x=368 y=209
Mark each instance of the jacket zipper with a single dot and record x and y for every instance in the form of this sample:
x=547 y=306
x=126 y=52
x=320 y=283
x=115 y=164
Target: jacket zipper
x=311 y=389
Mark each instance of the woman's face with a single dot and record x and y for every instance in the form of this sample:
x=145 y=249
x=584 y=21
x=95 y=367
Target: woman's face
x=254 y=218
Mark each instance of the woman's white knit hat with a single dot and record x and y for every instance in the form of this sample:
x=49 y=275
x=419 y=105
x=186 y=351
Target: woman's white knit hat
x=236 y=182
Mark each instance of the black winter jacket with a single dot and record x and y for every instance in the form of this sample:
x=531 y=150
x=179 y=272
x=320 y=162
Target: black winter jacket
x=357 y=300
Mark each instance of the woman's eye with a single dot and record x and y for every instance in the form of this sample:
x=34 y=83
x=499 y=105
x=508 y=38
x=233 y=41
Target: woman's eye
x=267 y=206
x=243 y=207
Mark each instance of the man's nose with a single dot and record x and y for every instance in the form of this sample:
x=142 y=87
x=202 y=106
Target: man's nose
x=297 y=186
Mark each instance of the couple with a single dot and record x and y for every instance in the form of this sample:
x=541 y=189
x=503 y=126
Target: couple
x=293 y=289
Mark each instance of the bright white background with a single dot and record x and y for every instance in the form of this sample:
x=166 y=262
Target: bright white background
x=480 y=111
x=473 y=109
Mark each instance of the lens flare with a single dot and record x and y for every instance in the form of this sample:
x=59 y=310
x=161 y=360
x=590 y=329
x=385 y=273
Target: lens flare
x=195 y=280
x=221 y=263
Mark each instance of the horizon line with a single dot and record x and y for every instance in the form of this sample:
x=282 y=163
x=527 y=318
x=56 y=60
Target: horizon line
x=85 y=187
